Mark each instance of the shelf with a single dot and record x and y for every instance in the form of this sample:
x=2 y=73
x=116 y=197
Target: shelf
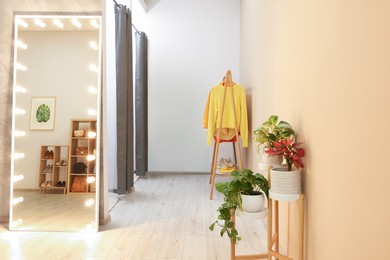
x=54 y=188
x=273 y=231
x=88 y=125
x=58 y=172
x=226 y=174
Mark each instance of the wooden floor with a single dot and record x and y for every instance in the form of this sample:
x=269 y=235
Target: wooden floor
x=167 y=217
x=53 y=211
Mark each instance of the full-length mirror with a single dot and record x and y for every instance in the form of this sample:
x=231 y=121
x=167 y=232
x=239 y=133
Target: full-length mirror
x=55 y=126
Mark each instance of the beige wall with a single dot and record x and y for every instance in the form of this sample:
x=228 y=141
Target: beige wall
x=324 y=67
x=6 y=62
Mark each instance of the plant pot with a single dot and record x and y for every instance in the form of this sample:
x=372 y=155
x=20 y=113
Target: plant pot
x=252 y=203
x=271 y=160
x=285 y=182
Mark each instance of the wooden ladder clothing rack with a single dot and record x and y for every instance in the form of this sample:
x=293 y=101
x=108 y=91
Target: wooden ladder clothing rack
x=228 y=85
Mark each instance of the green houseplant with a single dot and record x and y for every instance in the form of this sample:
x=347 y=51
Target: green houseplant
x=243 y=181
x=287 y=180
x=272 y=130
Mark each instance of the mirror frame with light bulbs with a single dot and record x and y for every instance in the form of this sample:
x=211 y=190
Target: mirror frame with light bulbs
x=18 y=223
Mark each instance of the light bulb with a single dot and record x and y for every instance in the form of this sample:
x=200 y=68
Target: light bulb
x=94 y=23
x=39 y=23
x=92 y=90
x=21 y=45
x=16 y=222
x=19 y=155
x=17 y=178
x=91 y=134
x=93 y=68
x=91 y=157
x=21 y=67
x=19 y=111
x=91 y=225
x=76 y=23
x=93 y=45
x=89 y=202
x=91 y=179
x=20 y=89
x=19 y=133
x=58 y=23
x=17 y=200
x=92 y=112
x=22 y=23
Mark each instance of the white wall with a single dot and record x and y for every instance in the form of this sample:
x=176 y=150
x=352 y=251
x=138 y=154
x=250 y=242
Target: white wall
x=58 y=66
x=191 y=45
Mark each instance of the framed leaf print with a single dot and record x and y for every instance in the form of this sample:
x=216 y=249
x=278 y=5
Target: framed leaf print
x=42 y=113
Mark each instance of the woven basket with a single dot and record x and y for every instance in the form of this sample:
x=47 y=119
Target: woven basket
x=285 y=182
x=79 y=133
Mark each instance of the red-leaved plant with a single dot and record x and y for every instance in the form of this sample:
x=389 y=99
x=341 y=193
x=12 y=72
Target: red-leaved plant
x=290 y=151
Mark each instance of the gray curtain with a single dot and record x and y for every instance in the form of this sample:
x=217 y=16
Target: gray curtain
x=141 y=104
x=124 y=99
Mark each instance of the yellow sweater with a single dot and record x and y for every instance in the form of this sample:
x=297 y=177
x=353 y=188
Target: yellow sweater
x=212 y=114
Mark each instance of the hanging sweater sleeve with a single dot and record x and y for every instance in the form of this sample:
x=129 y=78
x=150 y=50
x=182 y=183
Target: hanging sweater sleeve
x=212 y=116
x=206 y=113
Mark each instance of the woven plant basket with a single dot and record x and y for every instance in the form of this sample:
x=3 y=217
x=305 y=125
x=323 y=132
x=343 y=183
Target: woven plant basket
x=285 y=182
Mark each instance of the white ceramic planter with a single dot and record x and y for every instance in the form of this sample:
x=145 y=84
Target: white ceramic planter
x=252 y=203
x=285 y=182
x=271 y=160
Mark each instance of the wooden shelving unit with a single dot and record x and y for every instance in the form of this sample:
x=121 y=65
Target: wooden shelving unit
x=86 y=141
x=273 y=235
x=53 y=168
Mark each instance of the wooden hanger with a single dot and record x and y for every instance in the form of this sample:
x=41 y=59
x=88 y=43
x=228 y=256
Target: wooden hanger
x=227 y=80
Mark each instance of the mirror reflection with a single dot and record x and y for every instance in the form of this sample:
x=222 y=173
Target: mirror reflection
x=55 y=123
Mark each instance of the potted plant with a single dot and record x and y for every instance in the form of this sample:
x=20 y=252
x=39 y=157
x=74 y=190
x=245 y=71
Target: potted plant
x=242 y=182
x=270 y=131
x=287 y=180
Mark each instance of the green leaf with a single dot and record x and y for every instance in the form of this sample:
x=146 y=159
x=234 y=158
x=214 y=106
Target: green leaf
x=223 y=230
x=287 y=132
x=220 y=186
x=261 y=137
x=211 y=227
x=272 y=137
x=283 y=124
x=273 y=119
x=43 y=113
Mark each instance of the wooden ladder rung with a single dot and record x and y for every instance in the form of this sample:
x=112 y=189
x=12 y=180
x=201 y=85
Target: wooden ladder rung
x=254 y=256
x=279 y=256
